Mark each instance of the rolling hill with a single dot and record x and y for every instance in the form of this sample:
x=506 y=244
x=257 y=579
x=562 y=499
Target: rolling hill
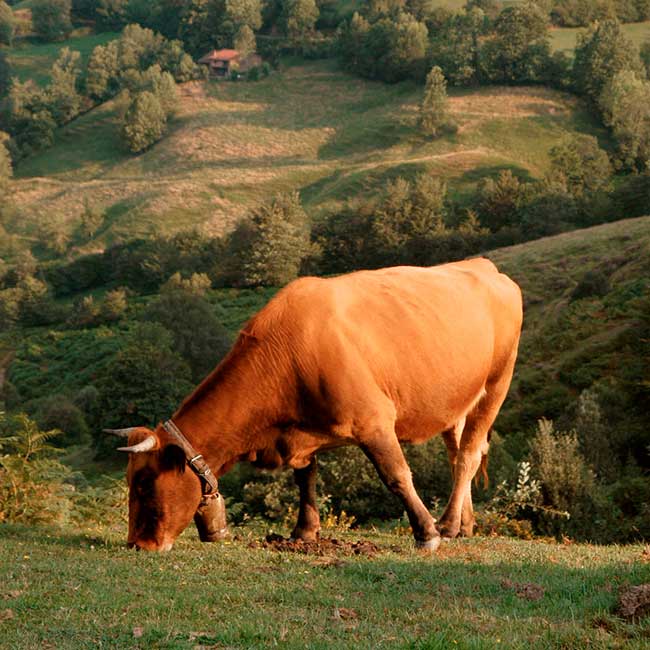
x=310 y=127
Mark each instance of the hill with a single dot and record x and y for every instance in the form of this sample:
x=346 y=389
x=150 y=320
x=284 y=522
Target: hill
x=76 y=590
x=310 y=127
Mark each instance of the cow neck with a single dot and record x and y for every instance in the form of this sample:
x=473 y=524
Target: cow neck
x=234 y=410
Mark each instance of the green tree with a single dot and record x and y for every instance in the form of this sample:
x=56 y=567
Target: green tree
x=581 y=166
x=5 y=75
x=245 y=40
x=5 y=168
x=276 y=241
x=51 y=19
x=144 y=122
x=410 y=216
x=7 y=26
x=602 y=52
x=113 y=306
x=198 y=335
x=102 y=73
x=625 y=103
x=145 y=382
x=433 y=109
x=500 y=201
x=299 y=17
x=520 y=50
x=64 y=102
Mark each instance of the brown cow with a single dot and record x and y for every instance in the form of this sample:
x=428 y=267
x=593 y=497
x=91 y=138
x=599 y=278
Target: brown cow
x=373 y=359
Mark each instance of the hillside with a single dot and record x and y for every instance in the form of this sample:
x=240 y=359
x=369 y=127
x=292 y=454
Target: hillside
x=310 y=127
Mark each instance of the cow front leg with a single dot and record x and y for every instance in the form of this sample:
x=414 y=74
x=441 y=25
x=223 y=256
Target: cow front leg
x=385 y=453
x=308 y=525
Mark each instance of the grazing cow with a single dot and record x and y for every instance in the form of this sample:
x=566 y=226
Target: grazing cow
x=373 y=359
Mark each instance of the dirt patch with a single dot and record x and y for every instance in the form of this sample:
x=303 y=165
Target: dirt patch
x=634 y=602
x=322 y=547
x=525 y=590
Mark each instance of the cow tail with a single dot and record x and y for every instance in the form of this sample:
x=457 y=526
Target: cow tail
x=483 y=467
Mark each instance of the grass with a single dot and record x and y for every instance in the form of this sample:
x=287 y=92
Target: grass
x=76 y=590
x=33 y=60
x=232 y=145
x=564 y=39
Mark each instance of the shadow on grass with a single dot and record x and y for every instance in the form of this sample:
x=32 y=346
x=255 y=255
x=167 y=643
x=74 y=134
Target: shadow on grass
x=55 y=537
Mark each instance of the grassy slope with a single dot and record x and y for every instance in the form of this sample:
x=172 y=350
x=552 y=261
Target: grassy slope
x=565 y=38
x=333 y=136
x=33 y=60
x=79 y=591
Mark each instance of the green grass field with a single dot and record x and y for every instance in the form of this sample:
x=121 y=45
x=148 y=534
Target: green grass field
x=232 y=145
x=74 y=590
x=564 y=39
x=33 y=60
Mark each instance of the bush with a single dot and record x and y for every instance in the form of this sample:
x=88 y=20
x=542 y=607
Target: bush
x=594 y=283
x=144 y=122
x=32 y=482
x=60 y=413
x=51 y=19
x=568 y=485
x=6 y=25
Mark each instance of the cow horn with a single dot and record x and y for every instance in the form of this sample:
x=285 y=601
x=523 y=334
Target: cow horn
x=146 y=445
x=120 y=433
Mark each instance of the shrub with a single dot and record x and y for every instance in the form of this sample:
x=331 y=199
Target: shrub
x=7 y=26
x=51 y=19
x=594 y=283
x=568 y=485
x=144 y=122
x=60 y=413
x=433 y=109
x=32 y=481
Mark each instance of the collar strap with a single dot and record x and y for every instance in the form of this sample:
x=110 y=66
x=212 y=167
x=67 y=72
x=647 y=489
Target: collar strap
x=209 y=484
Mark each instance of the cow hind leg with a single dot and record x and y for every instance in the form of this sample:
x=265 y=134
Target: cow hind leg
x=383 y=449
x=308 y=524
x=452 y=439
x=458 y=516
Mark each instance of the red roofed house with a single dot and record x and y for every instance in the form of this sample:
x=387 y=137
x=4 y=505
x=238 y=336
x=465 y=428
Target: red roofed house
x=221 y=63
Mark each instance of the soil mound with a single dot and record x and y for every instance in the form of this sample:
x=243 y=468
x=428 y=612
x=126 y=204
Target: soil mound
x=322 y=546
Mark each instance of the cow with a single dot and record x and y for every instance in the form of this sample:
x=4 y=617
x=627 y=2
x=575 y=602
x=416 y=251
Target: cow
x=373 y=359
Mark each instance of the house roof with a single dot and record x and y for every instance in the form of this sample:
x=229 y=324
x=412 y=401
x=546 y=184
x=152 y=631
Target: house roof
x=219 y=55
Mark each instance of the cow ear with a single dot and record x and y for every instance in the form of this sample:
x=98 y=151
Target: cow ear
x=172 y=457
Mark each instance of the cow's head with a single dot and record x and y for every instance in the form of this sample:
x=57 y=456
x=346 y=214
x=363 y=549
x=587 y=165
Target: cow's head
x=164 y=495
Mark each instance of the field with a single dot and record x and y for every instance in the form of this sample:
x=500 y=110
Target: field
x=72 y=590
x=234 y=144
x=565 y=39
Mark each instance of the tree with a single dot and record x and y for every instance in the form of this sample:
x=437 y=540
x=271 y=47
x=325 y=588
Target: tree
x=144 y=122
x=581 y=166
x=145 y=382
x=520 y=50
x=277 y=241
x=625 y=103
x=113 y=306
x=102 y=73
x=245 y=40
x=5 y=167
x=64 y=102
x=500 y=201
x=6 y=24
x=51 y=19
x=409 y=218
x=602 y=52
x=299 y=17
x=198 y=335
x=433 y=109
x=5 y=75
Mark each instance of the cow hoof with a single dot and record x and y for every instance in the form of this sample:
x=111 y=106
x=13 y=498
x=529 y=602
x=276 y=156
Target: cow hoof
x=430 y=545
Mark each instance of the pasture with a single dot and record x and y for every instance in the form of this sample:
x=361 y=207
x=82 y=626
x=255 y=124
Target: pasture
x=76 y=589
x=232 y=145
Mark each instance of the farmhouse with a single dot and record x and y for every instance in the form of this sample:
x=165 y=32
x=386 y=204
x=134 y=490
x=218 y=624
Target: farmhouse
x=221 y=63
